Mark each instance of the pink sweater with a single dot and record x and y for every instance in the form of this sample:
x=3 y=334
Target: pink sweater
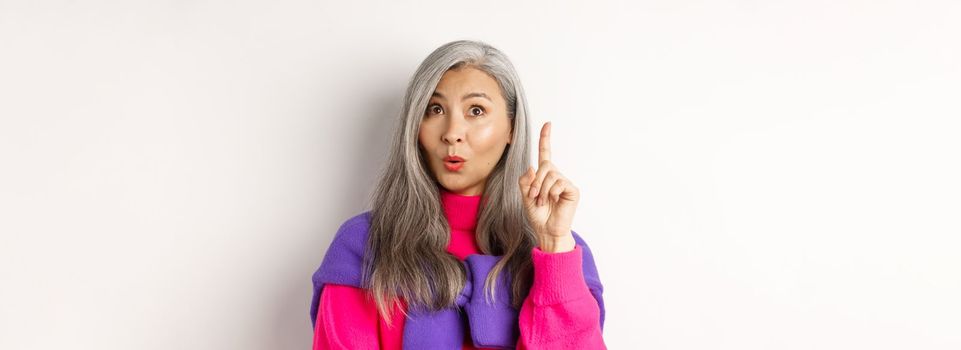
x=347 y=319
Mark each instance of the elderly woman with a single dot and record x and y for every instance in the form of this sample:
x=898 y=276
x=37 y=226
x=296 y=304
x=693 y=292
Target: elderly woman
x=466 y=244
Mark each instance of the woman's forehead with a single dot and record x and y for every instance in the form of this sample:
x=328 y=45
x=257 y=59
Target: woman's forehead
x=467 y=82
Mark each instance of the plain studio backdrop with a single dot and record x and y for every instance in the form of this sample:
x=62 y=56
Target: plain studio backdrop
x=755 y=174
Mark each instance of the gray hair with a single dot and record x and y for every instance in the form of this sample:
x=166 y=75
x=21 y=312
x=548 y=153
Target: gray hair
x=406 y=249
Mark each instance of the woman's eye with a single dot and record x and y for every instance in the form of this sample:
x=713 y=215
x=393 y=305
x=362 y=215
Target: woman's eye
x=435 y=109
x=476 y=111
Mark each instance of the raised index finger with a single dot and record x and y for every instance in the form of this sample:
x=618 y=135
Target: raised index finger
x=544 y=151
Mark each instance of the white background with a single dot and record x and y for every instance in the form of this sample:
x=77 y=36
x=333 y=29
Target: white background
x=755 y=174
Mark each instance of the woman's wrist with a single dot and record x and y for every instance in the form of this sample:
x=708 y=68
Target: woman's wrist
x=557 y=244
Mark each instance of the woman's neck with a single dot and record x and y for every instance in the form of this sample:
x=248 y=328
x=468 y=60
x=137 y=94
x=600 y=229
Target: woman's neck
x=460 y=210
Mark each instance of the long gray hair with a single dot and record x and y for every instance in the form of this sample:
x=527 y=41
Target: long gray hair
x=406 y=249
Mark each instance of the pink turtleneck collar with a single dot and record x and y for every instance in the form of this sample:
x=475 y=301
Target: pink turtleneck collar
x=461 y=212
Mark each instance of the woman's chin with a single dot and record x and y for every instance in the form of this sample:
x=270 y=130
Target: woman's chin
x=453 y=185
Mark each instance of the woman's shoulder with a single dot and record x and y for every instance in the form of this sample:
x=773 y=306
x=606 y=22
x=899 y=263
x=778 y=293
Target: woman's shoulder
x=352 y=233
x=357 y=222
x=344 y=257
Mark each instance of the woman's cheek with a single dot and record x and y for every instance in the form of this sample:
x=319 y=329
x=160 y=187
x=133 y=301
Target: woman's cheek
x=484 y=138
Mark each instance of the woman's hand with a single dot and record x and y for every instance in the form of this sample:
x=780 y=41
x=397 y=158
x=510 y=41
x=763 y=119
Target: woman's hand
x=550 y=199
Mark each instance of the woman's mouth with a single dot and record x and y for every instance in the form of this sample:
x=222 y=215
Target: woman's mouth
x=453 y=163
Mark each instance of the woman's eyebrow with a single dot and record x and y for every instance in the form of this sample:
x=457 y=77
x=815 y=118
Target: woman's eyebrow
x=470 y=95
x=476 y=94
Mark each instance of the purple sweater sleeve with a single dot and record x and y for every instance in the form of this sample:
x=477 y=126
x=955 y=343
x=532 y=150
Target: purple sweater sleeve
x=561 y=311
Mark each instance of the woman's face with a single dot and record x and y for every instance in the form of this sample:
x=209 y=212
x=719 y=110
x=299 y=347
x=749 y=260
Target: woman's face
x=466 y=117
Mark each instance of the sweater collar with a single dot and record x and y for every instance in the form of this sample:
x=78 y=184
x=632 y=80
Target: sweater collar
x=461 y=210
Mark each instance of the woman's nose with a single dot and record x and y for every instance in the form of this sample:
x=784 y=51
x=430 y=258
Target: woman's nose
x=452 y=138
x=454 y=132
